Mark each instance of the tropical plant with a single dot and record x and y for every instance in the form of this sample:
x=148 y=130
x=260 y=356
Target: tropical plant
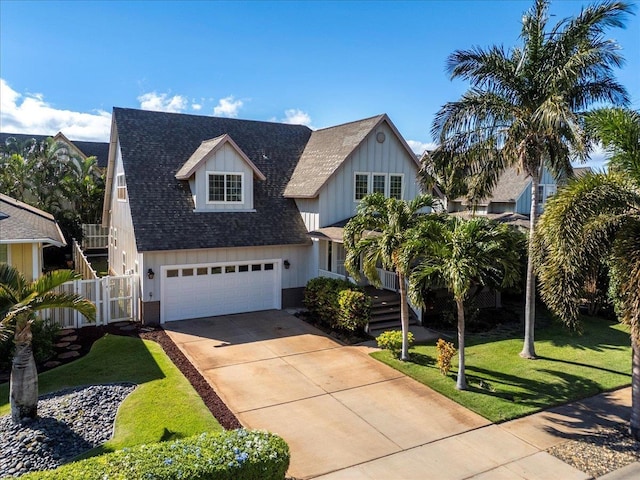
x=596 y=216
x=19 y=302
x=524 y=107
x=376 y=236
x=461 y=255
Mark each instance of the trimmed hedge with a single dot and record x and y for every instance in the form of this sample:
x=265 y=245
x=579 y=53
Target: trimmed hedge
x=322 y=299
x=230 y=455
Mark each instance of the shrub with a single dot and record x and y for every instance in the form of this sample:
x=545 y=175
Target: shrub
x=392 y=340
x=321 y=299
x=446 y=351
x=44 y=339
x=354 y=310
x=237 y=454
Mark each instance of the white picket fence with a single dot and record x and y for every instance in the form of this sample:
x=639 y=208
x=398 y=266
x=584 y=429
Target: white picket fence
x=81 y=263
x=116 y=299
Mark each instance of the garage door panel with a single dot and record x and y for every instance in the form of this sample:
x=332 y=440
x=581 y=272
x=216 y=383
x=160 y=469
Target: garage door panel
x=224 y=289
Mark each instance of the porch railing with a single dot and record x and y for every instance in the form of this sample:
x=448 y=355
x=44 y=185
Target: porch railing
x=81 y=264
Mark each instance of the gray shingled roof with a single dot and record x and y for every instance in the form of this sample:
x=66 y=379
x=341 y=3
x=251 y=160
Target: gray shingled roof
x=19 y=221
x=326 y=151
x=510 y=186
x=100 y=150
x=155 y=145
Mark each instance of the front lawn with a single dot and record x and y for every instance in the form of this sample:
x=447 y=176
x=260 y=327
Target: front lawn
x=503 y=386
x=164 y=406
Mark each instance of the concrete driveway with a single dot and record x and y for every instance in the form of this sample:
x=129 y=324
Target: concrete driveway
x=345 y=415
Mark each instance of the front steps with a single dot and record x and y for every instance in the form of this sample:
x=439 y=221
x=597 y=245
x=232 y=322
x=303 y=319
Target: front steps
x=385 y=311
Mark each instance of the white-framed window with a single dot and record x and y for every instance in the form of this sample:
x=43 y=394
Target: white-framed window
x=121 y=188
x=124 y=263
x=115 y=237
x=4 y=253
x=379 y=183
x=360 y=186
x=545 y=191
x=396 y=185
x=225 y=187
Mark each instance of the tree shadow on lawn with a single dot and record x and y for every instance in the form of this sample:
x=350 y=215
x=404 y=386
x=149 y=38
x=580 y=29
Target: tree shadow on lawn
x=531 y=393
x=597 y=334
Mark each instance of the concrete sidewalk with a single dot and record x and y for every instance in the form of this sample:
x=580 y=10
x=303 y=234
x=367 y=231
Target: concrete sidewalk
x=347 y=416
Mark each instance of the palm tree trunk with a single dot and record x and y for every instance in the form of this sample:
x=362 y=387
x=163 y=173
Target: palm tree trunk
x=461 y=382
x=528 y=349
x=23 y=390
x=404 y=318
x=634 y=424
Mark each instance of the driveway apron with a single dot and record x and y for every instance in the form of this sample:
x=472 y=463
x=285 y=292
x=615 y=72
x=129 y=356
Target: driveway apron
x=334 y=405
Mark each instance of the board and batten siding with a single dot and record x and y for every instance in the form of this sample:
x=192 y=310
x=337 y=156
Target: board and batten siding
x=308 y=208
x=297 y=275
x=337 y=195
x=121 y=234
x=225 y=160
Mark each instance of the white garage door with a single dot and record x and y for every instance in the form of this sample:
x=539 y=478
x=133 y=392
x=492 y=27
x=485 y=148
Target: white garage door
x=193 y=291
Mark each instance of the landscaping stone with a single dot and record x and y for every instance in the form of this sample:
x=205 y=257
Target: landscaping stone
x=74 y=347
x=71 y=354
x=69 y=423
x=62 y=344
x=128 y=328
x=70 y=338
x=52 y=364
x=65 y=332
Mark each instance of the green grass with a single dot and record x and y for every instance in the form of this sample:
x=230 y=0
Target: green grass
x=164 y=406
x=503 y=386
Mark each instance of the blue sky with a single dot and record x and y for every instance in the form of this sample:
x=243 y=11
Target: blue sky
x=64 y=65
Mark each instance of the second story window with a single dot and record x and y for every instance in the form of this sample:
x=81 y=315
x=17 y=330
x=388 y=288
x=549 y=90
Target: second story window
x=395 y=186
x=361 y=185
x=121 y=188
x=224 y=188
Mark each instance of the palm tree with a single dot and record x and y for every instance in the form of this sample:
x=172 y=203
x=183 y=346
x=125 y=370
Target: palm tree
x=596 y=216
x=83 y=188
x=376 y=236
x=19 y=302
x=463 y=256
x=524 y=106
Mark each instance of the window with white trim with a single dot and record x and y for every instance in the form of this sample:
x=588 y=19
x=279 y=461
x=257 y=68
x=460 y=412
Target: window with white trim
x=224 y=187
x=121 y=188
x=361 y=186
x=379 y=183
x=395 y=186
x=124 y=263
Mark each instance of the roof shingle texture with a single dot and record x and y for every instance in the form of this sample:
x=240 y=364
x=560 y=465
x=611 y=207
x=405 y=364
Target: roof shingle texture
x=154 y=147
x=326 y=151
x=19 y=221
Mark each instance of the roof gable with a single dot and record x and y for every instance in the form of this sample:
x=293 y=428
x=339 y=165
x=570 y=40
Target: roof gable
x=328 y=149
x=210 y=147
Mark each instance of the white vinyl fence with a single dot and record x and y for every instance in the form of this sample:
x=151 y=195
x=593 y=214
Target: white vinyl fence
x=81 y=264
x=116 y=300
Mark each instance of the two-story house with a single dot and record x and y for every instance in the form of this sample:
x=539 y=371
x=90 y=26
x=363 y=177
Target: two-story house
x=222 y=216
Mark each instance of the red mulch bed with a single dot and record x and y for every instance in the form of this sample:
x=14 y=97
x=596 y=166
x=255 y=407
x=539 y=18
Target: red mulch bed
x=88 y=335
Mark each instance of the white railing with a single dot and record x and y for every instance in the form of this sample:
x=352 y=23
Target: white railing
x=116 y=300
x=94 y=236
x=81 y=264
x=336 y=275
x=389 y=280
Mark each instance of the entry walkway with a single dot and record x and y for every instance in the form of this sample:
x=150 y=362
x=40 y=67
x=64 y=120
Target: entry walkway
x=347 y=416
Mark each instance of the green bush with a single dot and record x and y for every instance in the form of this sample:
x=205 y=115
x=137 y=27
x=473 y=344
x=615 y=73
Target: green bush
x=44 y=339
x=237 y=454
x=392 y=340
x=354 y=310
x=321 y=299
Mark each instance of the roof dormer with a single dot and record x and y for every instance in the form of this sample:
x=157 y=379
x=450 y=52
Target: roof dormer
x=220 y=176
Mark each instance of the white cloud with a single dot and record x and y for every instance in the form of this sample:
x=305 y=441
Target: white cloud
x=419 y=147
x=162 y=102
x=293 y=116
x=227 y=107
x=30 y=113
x=196 y=106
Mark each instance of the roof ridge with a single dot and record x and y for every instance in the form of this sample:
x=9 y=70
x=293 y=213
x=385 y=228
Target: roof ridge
x=25 y=206
x=379 y=116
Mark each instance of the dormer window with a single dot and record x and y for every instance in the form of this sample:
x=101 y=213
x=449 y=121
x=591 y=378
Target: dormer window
x=224 y=187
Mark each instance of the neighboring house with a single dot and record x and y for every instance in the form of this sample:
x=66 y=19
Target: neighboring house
x=511 y=197
x=100 y=150
x=222 y=216
x=24 y=232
